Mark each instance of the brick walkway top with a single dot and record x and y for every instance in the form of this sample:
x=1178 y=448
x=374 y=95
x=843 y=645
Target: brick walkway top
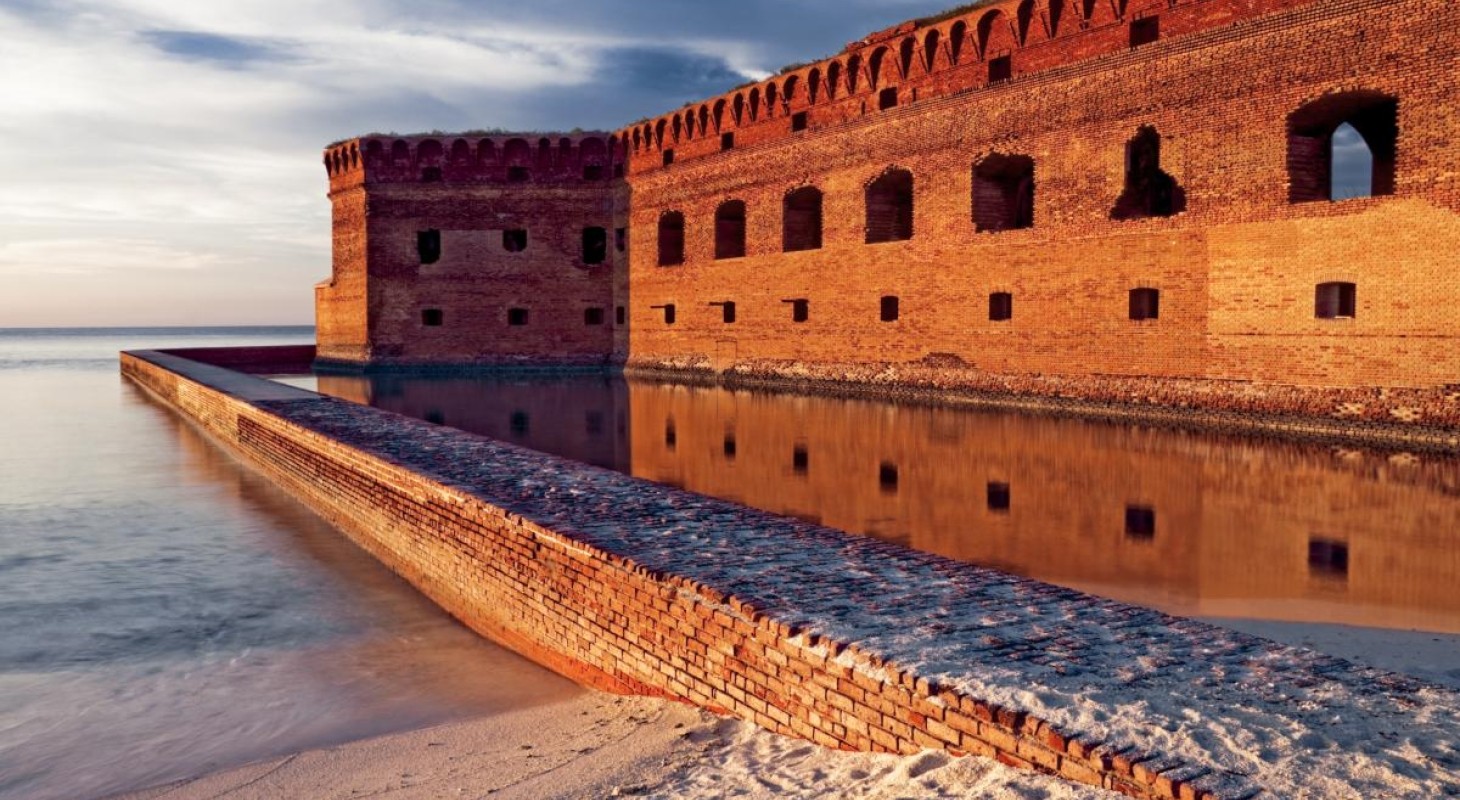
x=1225 y=711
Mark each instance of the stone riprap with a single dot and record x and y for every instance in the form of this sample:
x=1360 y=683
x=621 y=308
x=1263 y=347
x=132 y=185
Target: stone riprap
x=843 y=640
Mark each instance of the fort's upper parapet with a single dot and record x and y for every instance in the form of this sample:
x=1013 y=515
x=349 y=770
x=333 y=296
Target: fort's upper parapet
x=968 y=48
x=497 y=158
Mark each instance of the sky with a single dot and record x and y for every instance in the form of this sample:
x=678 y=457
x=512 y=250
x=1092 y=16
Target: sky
x=160 y=159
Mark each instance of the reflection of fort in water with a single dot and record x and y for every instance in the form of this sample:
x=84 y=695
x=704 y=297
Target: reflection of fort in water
x=1187 y=523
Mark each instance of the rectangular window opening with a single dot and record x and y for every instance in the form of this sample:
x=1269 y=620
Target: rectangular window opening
x=729 y=445
x=592 y=172
x=595 y=245
x=887 y=98
x=800 y=309
x=668 y=157
x=1001 y=69
x=998 y=496
x=431 y=175
x=592 y=316
x=727 y=141
x=668 y=310
x=887 y=477
x=620 y=239
x=514 y=240
x=618 y=170
x=890 y=309
x=800 y=460
x=798 y=121
x=517 y=174
x=1145 y=31
x=727 y=310
x=428 y=245
x=1001 y=306
x=1140 y=522
x=620 y=316
x=1328 y=558
x=432 y=317
x=1337 y=300
x=671 y=436
x=517 y=316
x=1145 y=304
x=519 y=423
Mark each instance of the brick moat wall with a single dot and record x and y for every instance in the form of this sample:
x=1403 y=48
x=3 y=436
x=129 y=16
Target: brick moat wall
x=613 y=624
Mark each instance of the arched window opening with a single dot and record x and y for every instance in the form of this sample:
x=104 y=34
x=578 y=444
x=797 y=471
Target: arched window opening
x=1025 y=18
x=906 y=53
x=460 y=152
x=544 y=154
x=890 y=207
x=994 y=37
x=801 y=220
x=1145 y=303
x=788 y=90
x=1343 y=146
x=659 y=129
x=429 y=152
x=1149 y=191
x=754 y=104
x=813 y=86
x=833 y=79
x=874 y=67
x=738 y=110
x=854 y=70
x=957 y=35
x=486 y=152
x=595 y=245
x=1337 y=300
x=705 y=120
x=671 y=239
x=1003 y=193
x=930 y=50
x=400 y=152
x=719 y=114
x=730 y=230
x=677 y=129
x=771 y=96
x=1056 y=13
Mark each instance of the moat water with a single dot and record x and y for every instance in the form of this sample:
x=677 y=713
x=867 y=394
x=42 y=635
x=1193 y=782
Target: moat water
x=1312 y=544
x=165 y=612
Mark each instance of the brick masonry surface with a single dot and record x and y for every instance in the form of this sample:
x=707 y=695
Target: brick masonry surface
x=845 y=641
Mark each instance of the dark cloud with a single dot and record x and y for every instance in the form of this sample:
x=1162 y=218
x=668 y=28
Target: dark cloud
x=197 y=46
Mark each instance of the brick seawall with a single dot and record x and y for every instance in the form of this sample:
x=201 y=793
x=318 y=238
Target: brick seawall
x=846 y=641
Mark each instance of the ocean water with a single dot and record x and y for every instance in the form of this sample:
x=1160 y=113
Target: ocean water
x=165 y=612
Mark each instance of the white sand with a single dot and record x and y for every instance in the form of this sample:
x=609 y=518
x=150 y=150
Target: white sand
x=604 y=746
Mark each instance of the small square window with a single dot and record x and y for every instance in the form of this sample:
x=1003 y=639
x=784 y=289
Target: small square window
x=515 y=240
x=727 y=141
x=1145 y=304
x=432 y=317
x=592 y=316
x=519 y=423
x=592 y=172
x=1145 y=31
x=800 y=309
x=431 y=175
x=1001 y=69
x=1140 y=522
x=668 y=157
x=1335 y=301
x=887 y=98
x=1328 y=558
x=798 y=121
x=517 y=316
x=517 y=175
x=1001 y=306
x=890 y=309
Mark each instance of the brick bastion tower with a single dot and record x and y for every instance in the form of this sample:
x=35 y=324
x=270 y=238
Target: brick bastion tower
x=1130 y=201
x=486 y=250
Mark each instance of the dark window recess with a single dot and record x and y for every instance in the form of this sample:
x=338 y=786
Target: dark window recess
x=431 y=175
x=1336 y=301
x=519 y=423
x=729 y=446
x=668 y=312
x=593 y=423
x=890 y=207
x=620 y=239
x=668 y=156
x=889 y=309
x=435 y=417
x=1343 y=146
x=517 y=174
x=620 y=315
x=1003 y=193
x=671 y=239
x=1001 y=69
x=800 y=309
x=798 y=121
x=730 y=229
x=432 y=317
x=1145 y=31
x=998 y=496
x=592 y=172
x=1001 y=306
x=428 y=246
x=516 y=316
x=592 y=316
x=887 y=98
x=1145 y=304
x=1327 y=558
x=1140 y=522
x=671 y=436
x=727 y=310
x=1149 y=191
x=801 y=220
x=595 y=245
x=727 y=141
x=515 y=240
x=800 y=460
x=887 y=477
x=618 y=170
